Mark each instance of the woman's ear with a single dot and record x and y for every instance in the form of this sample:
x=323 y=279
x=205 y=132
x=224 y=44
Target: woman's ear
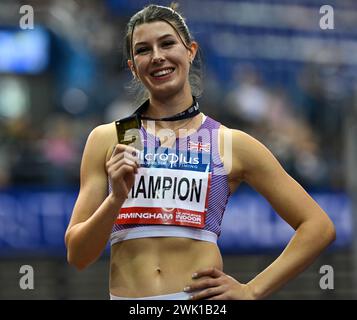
x=132 y=68
x=192 y=51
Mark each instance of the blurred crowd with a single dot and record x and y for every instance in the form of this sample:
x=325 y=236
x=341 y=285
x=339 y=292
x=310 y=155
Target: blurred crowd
x=45 y=118
x=303 y=124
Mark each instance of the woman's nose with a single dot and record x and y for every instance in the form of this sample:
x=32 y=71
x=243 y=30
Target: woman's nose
x=157 y=57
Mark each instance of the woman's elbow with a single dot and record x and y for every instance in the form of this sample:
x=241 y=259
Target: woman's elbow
x=76 y=261
x=331 y=231
x=72 y=258
x=328 y=231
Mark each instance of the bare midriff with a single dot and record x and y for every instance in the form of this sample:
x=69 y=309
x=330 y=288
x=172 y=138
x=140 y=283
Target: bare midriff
x=157 y=266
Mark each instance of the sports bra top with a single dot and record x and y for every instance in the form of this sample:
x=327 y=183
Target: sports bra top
x=181 y=191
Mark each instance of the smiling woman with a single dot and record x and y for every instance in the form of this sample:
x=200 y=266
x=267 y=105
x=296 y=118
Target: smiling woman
x=172 y=35
x=161 y=61
x=164 y=246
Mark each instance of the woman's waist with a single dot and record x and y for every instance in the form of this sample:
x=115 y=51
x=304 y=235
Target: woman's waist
x=154 y=266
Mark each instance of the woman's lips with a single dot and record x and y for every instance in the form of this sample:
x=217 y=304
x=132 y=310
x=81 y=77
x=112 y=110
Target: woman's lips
x=163 y=74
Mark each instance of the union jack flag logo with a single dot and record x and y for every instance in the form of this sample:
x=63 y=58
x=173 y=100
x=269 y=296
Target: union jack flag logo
x=199 y=146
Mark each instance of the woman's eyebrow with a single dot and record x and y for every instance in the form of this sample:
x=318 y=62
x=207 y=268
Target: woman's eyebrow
x=160 y=38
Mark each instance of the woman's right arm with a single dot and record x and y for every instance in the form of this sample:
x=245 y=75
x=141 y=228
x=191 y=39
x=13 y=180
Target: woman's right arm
x=95 y=211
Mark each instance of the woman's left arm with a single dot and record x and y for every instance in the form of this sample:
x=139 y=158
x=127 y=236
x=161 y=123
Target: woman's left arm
x=314 y=230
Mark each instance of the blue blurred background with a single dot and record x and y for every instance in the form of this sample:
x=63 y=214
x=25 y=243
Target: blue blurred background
x=270 y=70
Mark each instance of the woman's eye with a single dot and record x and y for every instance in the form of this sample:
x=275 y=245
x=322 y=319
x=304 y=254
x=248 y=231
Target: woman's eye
x=168 y=43
x=141 y=50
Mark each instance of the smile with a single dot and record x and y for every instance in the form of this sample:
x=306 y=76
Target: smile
x=162 y=73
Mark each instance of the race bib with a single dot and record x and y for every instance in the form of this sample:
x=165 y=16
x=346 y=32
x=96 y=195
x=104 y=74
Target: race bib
x=171 y=188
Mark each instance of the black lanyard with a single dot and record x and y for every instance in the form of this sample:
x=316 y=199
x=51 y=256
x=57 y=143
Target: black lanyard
x=134 y=121
x=190 y=112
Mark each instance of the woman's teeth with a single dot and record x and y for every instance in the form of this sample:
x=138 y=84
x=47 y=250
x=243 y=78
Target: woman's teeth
x=163 y=72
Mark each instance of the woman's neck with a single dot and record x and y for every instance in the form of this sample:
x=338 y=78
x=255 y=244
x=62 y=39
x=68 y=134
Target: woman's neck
x=161 y=108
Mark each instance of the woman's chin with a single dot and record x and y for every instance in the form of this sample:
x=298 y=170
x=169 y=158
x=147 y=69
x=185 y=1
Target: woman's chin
x=163 y=91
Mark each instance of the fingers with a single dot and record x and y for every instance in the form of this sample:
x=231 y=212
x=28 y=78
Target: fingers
x=219 y=286
x=208 y=287
x=119 y=148
x=210 y=293
x=203 y=284
x=123 y=156
x=117 y=175
x=122 y=167
x=120 y=152
x=211 y=272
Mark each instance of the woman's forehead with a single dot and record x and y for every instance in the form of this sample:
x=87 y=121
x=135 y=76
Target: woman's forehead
x=151 y=31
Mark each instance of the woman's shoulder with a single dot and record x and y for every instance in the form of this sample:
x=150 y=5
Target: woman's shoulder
x=238 y=137
x=243 y=145
x=102 y=138
x=103 y=130
x=242 y=154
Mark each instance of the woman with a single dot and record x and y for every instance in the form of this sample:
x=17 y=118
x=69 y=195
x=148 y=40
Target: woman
x=165 y=203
